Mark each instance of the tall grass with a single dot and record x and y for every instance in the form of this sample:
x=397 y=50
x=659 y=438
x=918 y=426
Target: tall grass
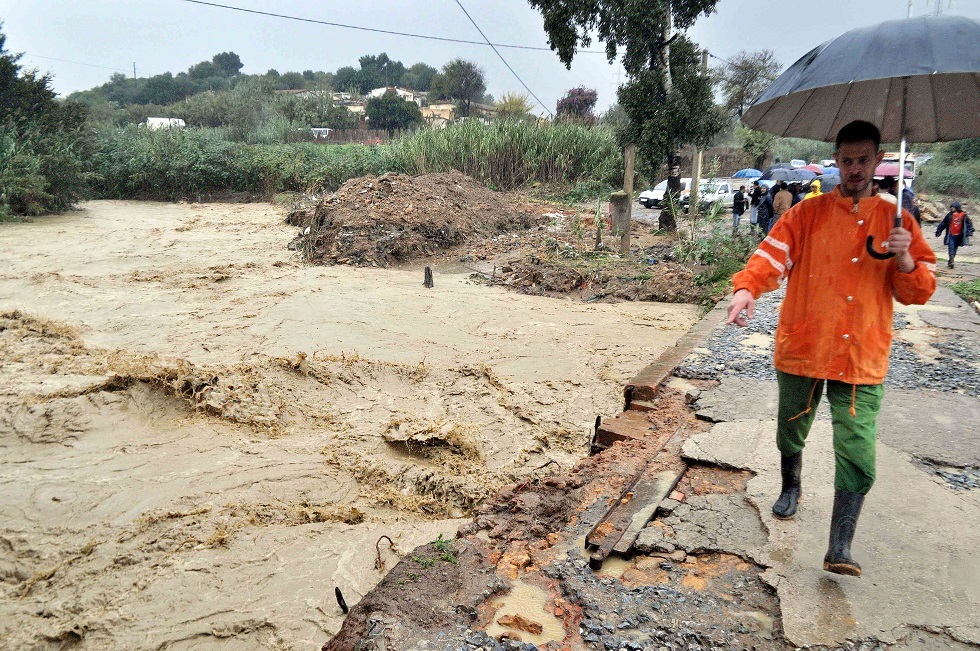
x=172 y=163
x=509 y=154
x=134 y=162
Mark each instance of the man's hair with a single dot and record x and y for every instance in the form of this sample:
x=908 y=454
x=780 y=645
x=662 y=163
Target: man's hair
x=858 y=131
x=782 y=185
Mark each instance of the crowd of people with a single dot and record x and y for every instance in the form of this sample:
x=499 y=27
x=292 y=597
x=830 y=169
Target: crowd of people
x=766 y=204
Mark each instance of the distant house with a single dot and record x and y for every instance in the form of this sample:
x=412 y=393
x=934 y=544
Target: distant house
x=163 y=123
x=320 y=132
x=439 y=114
x=404 y=93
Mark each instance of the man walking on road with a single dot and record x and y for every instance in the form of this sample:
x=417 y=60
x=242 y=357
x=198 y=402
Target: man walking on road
x=959 y=230
x=835 y=324
x=738 y=208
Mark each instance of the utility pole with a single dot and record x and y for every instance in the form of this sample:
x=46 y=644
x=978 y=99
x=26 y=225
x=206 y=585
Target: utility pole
x=695 y=197
x=134 y=70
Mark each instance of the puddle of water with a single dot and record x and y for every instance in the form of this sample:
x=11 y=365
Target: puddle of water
x=763 y=620
x=528 y=602
x=614 y=566
x=757 y=340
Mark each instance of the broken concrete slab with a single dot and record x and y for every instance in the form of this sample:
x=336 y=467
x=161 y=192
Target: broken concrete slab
x=940 y=427
x=723 y=522
x=916 y=540
x=944 y=310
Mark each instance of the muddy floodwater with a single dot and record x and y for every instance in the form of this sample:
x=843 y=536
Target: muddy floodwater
x=200 y=436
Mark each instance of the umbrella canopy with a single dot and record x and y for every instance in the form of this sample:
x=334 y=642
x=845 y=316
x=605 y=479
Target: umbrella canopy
x=890 y=169
x=781 y=174
x=917 y=78
x=813 y=167
x=747 y=173
x=828 y=182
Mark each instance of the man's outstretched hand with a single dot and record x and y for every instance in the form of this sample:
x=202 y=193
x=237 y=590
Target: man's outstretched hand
x=741 y=300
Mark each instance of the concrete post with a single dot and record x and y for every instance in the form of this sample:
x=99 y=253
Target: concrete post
x=619 y=210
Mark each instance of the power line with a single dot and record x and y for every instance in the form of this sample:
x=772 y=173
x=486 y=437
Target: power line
x=376 y=30
x=77 y=63
x=503 y=59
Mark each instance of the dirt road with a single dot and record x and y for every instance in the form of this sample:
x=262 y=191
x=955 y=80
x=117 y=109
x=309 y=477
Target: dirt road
x=201 y=436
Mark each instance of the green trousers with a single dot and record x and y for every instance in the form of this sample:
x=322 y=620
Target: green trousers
x=853 y=410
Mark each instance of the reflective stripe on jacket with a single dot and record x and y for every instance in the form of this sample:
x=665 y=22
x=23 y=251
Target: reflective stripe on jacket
x=836 y=320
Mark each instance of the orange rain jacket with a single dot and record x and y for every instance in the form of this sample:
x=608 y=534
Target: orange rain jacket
x=836 y=319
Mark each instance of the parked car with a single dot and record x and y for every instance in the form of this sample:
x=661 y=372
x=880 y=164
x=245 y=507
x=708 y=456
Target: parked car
x=713 y=192
x=797 y=163
x=653 y=197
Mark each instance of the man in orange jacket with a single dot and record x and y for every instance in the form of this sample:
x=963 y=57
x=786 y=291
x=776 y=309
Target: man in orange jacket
x=835 y=324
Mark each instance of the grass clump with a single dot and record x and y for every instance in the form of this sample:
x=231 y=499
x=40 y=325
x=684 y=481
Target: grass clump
x=720 y=254
x=968 y=290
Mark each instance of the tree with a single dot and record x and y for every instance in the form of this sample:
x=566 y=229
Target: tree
x=391 y=112
x=745 y=77
x=345 y=80
x=419 y=77
x=514 y=106
x=462 y=81
x=43 y=142
x=577 y=105
x=757 y=145
x=204 y=70
x=291 y=81
x=228 y=62
x=668 y=102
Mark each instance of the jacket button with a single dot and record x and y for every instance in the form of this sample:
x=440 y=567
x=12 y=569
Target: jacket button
x=840 y=375
x=860 y=221
x=847 y=336
x=854 y=259
x=850 y=298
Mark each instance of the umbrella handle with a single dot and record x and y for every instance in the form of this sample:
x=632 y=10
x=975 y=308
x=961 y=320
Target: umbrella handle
x=870 y=245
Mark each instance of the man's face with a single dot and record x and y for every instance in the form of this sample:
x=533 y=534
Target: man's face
x=857 y=162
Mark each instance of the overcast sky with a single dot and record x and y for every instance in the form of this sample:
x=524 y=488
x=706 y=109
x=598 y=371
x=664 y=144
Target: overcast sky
x=82 y=42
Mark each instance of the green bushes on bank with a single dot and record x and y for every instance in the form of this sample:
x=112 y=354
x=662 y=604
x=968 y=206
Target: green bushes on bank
x=508 y=154
x=134 y=162
x=171 y=163
x=954 y=170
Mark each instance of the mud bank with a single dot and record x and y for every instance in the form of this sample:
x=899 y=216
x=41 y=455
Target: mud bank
x=202 y=436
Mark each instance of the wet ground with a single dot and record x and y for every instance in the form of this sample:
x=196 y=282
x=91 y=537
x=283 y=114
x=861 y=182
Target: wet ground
x=714 y=569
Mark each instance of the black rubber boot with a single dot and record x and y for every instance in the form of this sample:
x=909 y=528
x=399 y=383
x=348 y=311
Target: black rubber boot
x=847 y=508
x=792 y=471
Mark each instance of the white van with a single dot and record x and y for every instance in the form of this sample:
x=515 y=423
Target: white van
x=653 y=197
x=712 y=192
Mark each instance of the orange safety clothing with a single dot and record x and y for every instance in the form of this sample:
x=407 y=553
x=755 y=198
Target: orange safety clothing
x=836 y=320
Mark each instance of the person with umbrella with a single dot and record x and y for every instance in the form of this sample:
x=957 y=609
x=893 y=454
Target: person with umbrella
x=834 y=327
x=958 y=228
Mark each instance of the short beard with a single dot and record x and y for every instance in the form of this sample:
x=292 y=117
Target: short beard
x=847 y=193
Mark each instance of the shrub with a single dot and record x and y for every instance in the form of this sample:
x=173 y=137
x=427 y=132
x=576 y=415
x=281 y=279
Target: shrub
x=172 y=163
x=959 y=179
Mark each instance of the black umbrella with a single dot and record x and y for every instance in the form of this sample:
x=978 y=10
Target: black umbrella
x=828 y=182
x=917 y=79
x=788 y=175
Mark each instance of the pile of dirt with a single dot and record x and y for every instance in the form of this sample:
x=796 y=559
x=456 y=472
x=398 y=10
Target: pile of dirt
x=665 y=282
x=378 y=221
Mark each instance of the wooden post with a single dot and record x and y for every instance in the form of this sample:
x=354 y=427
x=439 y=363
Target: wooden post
x=629 y=157
x=696 y=175
x=619 y=209
x=695 y=185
